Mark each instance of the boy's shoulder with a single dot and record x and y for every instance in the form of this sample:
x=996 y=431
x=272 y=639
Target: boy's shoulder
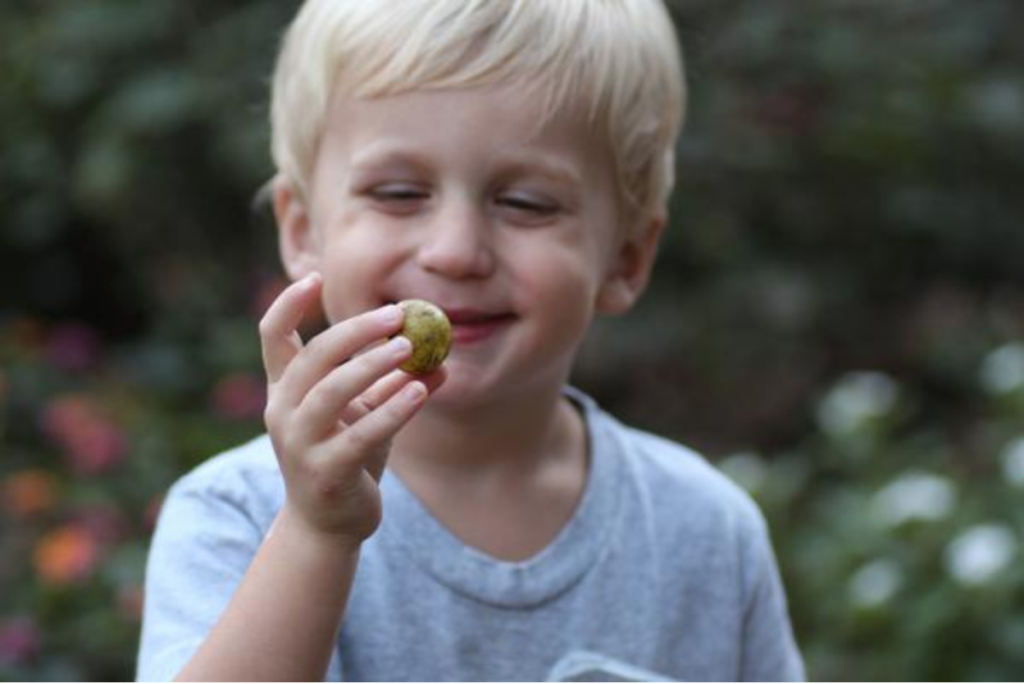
x=675 y=477
x=246 y=477
x=672 y=464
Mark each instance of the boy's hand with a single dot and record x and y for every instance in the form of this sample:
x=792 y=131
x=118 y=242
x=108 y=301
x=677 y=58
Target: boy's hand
x=333 y=406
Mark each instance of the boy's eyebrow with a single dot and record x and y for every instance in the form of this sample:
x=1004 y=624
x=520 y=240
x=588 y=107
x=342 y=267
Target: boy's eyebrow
x=534 y=162
x=545 y=165
x=385 y=152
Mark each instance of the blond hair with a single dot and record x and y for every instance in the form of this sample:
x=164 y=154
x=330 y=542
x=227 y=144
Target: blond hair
x=618 y=59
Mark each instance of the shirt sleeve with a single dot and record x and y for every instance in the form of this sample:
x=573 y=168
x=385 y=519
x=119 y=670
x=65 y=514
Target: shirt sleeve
x=770 y=652
x=202 y=546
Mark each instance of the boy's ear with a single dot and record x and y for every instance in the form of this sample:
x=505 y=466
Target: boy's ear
x=296 y=240
x=631 y=267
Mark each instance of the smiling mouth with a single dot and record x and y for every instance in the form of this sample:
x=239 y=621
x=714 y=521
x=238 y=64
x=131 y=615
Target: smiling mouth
x=472 y=316
x=471 y=325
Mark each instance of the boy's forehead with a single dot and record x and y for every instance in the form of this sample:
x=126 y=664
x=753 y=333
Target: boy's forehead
x=501 y=118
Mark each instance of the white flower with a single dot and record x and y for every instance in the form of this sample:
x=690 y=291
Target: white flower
x=998 y=103
x=857 y=398
x=914 y=495
x=875 y=583
x=747 y=469
x=980 y=553
x=1002 y=371
x=1013 y=462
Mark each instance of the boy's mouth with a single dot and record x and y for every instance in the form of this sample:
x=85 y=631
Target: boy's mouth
x=470 y=325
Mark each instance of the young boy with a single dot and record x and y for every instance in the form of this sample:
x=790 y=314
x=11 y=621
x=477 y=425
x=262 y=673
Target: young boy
x=508 y=160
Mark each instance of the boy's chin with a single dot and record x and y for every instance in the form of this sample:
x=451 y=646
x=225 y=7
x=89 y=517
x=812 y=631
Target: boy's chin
x=464 y=388
x=469 y=387
x=458 y=390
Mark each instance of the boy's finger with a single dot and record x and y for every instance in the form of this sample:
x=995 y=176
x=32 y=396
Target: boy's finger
x=362 y=441
x=324 y=405
x=385 y=388
x=334 y=346
x=279 y=326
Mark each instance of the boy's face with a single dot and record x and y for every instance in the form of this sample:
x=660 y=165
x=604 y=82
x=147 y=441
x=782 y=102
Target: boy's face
x=460 y=198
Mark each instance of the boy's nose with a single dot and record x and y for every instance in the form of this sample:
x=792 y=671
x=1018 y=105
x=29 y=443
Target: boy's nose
x=457 y=244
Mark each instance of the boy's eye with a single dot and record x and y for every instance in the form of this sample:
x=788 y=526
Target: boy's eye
x=397 y=192
x=529 y=204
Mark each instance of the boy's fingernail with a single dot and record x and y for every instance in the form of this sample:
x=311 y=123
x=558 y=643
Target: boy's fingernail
x=399 y=346
x=415 y=391
x=391 y=313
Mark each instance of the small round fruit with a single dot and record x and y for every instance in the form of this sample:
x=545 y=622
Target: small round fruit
x=428 y=329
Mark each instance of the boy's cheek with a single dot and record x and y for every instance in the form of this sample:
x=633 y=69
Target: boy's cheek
x=356 y=275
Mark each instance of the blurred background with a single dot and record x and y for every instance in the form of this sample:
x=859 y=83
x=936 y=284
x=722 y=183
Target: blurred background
x=837 y=319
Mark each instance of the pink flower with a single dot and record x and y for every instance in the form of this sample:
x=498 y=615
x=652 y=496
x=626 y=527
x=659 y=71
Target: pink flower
x=19 y=641
x=66 y=555
x=240 y=396
x=72 y=347
x=104 y=524
x=28 y=493
x=92 y=443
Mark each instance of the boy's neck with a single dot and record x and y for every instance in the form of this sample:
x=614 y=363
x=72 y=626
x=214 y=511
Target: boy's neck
x=505 y=481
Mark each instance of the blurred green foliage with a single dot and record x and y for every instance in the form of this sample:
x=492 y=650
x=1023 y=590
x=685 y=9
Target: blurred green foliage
x=837 y=317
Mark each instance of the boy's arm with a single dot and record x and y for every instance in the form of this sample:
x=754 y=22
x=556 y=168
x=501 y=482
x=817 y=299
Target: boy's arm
x=282 y=622
x=333 y=406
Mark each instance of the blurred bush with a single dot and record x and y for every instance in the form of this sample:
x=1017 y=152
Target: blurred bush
x=837 y=318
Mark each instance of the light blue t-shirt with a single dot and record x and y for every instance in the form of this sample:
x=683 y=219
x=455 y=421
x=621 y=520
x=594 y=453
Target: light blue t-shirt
x=665 y=569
